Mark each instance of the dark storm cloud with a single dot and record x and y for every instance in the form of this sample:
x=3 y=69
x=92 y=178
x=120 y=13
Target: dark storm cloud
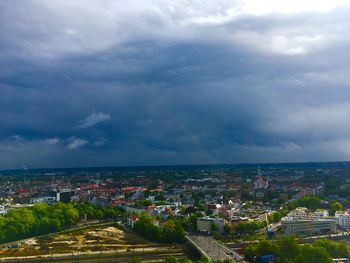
x=171 y=84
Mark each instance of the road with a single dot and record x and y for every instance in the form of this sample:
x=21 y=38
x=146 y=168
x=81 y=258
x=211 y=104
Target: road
x=211 y=248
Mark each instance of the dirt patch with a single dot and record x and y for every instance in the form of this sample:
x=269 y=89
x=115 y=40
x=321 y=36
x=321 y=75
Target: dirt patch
x=94 y=238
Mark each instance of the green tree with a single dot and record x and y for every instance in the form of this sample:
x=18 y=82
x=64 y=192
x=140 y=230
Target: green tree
x=313 y=254
x=171 y=259
x=268 y=247
x=146 y=228
x=311 y=202
x=335 y=206
x=172 y=232
x=250 y=253
x=203 y=260
x=289 y=248
x=336 y=250
x=135 y=259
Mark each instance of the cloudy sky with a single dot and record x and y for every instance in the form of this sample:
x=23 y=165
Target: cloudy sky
x=152 y=82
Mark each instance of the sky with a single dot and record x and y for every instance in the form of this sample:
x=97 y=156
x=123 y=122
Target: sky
x=165 y=82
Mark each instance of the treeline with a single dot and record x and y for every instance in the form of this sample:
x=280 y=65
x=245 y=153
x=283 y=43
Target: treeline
x=44 y=219
x=170 y=231
x=288 y=250
x=247 y=227
x=311 y=202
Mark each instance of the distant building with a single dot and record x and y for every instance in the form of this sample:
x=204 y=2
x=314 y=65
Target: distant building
x=342 y=219
x=308 y=227
x=132 y=220
x=63 y=195
x=261 y=183
x=302 y=221
x=304 y=213
x=2 y=210
x=319 y=214
x=307 y=189
x=205 y=224
x=50 y=200
x=152 y=198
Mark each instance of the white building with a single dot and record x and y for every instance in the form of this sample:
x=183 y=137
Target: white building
x=298 y=213
x=304 y=213
x=46 y=199
x=342 y=219
x=2 y=210
x=319 y=214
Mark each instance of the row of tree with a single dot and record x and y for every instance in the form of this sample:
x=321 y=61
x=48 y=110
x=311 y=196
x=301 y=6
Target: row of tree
x=170 y=231
x=288 y=250
x=43 y=219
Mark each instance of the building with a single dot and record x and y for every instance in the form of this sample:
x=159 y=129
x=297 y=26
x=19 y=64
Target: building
x=308 y=227
x=2 y=210
x=319 y=214
x=63 y=195
x=131 y=220
x=205 y=224
x=298 y=213
x=342 y=219
x=304 y=213
x=50 y=200
x=261 y=183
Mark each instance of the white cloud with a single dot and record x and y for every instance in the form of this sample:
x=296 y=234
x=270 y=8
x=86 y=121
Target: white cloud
x=100 y=142
x=75 y=143
x=76 y=26
x=51 y=141
x=93 y=119
x=257 y=7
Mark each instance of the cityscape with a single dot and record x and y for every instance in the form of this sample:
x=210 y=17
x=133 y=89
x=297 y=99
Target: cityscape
x=222 y=213
x=174 y=131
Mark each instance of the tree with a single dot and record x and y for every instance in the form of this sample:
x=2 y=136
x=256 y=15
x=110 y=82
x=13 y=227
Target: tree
x=311 y=202
x=146 y=228
x=145 y=202
x=43 y=219
x=171 y=259
x=268 y=247
x=248 y=227
x=335 y=206
x=227 y=229
x=173 y=232
x=336 y=250
x=250 y=252
x=203 y=260
x=289 y=248
x=135 y=259
x=313 y=254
